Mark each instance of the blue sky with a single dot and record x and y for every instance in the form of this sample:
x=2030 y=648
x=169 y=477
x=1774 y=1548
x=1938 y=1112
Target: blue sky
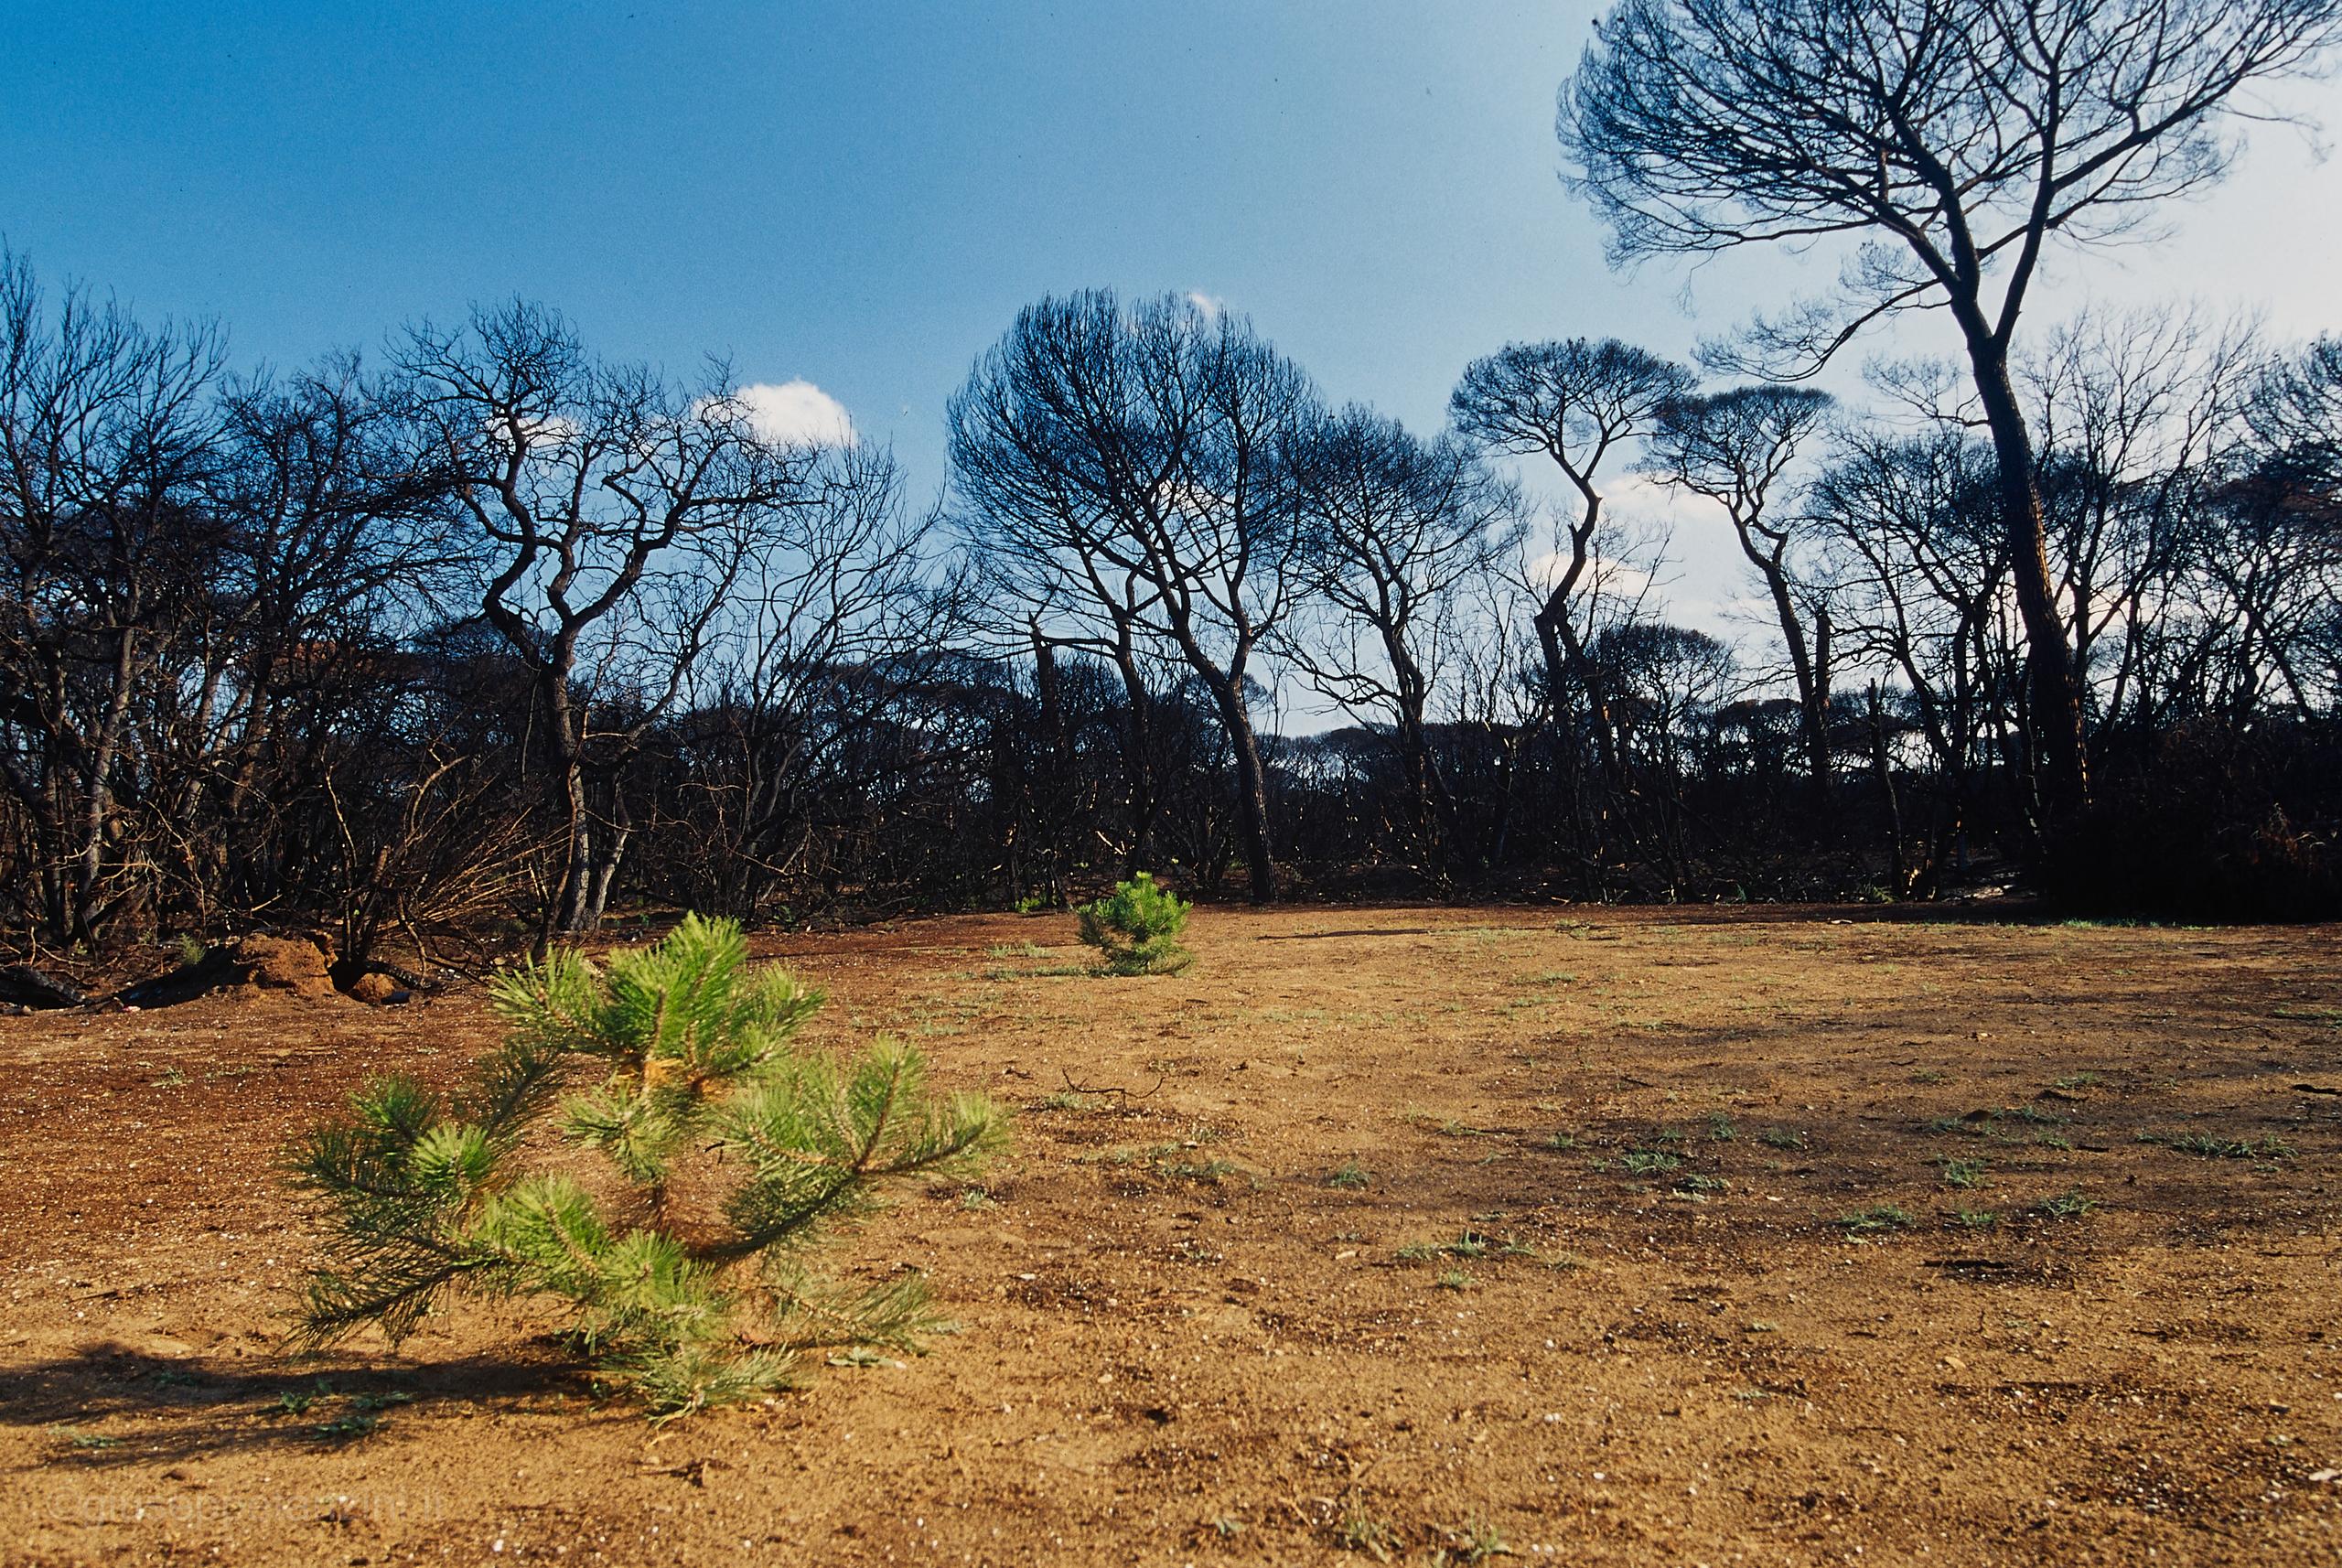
x=862 y=195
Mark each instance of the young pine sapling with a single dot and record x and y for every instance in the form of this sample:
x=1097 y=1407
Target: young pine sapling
x=680 y=1258
x=1137 y=927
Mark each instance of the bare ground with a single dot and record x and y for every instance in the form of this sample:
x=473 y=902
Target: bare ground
x=1662 y=1254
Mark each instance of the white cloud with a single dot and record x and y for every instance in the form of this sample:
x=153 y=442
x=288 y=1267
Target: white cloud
x=1640 y=500
x=1620 y=579
x=798 y=411
x=1211 y=305
x=1734 y=618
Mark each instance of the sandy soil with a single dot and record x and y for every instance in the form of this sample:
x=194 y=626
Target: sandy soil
x=1400 y=1235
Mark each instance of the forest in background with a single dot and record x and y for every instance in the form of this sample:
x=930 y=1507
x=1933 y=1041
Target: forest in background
x=497 y=635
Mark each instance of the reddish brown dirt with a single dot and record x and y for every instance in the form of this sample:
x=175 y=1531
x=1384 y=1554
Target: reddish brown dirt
x=1184 y=1344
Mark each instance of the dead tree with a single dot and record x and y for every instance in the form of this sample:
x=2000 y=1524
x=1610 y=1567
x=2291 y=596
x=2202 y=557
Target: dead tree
x=612 y=513
x=1393 y=526
x=1581 y=404
x=1139 y=450
x=1736 y=447
x=1956 y=142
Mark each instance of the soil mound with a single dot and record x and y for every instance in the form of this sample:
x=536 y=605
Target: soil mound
x=257 y=964
x=377 y=990
x=283 y=963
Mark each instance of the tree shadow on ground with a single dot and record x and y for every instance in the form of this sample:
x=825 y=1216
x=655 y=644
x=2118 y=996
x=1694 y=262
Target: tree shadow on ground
x=194 y=1407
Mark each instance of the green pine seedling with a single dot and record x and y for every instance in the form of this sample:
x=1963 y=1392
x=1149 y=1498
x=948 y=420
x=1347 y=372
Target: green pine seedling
x=1137 y=927
x=733 y=1155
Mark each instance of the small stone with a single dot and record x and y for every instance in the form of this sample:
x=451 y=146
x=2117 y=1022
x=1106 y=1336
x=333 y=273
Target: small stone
x=1955 y=1363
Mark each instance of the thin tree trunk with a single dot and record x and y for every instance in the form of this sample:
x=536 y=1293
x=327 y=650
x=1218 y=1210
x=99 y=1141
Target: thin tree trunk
x=2056 y=690
x=1251 y=792
x=1881 y=767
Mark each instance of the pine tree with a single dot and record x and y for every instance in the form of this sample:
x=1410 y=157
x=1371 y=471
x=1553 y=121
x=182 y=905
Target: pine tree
x=727 y=1154
x=1137 y=927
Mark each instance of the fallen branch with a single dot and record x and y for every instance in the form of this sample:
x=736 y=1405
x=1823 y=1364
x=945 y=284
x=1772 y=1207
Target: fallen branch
x=1128 y=1094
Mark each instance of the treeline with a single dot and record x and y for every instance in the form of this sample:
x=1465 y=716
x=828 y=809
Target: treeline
x=498 y=635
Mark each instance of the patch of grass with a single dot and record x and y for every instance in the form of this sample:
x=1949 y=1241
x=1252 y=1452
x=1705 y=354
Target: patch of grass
x=1559 y=1143
x=1445 y=1126
x=1477 y=1541
x=1370 y=1536
x=1208 y=1171
x=1963 y=1174
x=1930 y=1075
x=1720 y=1127
x=356 y=1424
x=1782 y=1138
x=2074 y=1080
x=1068 y=1099
x=1879 y=1219
x=172 y=1078
x=1175 y=1162
x=1453 y=1279
x=1649 y=1161
x=1696 y=1183
x=1975 y=1218
x=2212 y=1148
x=380 y=1401
x=1349 y=1176
x=2072 y=1205
x=976 y=1198
x=87 y=1441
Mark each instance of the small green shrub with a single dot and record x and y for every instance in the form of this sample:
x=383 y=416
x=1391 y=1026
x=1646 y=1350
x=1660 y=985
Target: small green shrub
x=730 y=1153
x=1137 y=927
